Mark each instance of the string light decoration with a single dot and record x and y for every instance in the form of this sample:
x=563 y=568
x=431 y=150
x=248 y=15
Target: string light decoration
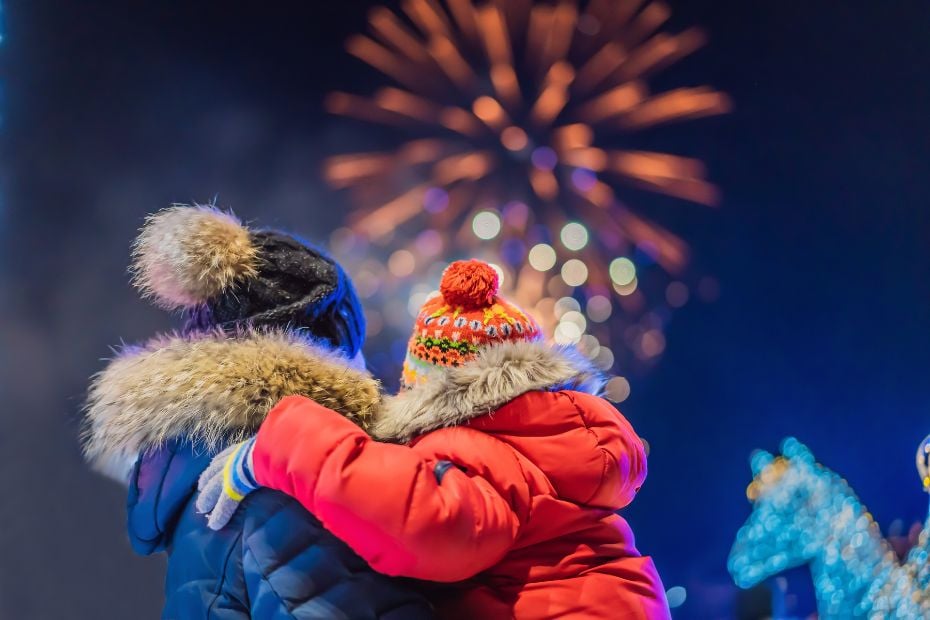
x=911 y=583
x=517 y=119
x=804 y=513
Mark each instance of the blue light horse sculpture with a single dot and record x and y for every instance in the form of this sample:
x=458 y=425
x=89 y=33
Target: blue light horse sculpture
x=804 y=513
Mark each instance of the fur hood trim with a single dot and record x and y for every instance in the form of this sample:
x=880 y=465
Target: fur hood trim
x=212 y=389
x=498 y=375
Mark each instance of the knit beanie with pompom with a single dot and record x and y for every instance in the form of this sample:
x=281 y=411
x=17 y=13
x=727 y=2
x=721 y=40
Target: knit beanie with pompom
x=466 y=315
x=222 y=275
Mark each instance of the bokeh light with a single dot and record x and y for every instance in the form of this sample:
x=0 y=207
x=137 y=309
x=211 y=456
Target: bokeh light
x=617 y=389
x=544 y=158
x=676 y=596
x=516 y=214
x=573 y=316
x=429 y=243
x=435 y=200
x=626 y=290
x=514 y=139
x=565 y=305
x=402 y=263
x=589 y=346
x=574 y=236
x=599 y=308
x=676 y=294
x=567 y=333
x=486 y=225
x=622 y=271
x=418 y=296
x=584 y=180
x=542 y=257
x=604 y=359
x=652 y=343
x=574 y=272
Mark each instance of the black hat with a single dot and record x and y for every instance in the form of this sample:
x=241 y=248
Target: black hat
x=205 y=262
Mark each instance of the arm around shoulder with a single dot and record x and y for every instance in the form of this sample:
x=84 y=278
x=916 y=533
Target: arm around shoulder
x=390 y=503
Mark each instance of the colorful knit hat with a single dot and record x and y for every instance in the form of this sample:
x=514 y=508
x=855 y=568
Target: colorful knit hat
x=466 y=315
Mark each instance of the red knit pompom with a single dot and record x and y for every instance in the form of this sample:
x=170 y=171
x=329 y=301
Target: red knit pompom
x=469 y=284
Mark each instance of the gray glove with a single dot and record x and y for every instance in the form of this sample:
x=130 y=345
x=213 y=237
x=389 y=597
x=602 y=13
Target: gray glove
x=225 y=483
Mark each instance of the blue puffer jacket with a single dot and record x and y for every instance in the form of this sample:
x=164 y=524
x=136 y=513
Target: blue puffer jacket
x=274 y=559
x=168 y=399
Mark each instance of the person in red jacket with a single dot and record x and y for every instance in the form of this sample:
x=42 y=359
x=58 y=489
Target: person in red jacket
x=504 y=485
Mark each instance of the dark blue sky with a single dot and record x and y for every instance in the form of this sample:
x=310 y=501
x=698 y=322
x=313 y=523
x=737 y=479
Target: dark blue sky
x=820 y=246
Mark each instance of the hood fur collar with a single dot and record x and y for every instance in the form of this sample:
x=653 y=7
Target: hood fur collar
x=211 y=389
x=215 y=389
x=499 y=374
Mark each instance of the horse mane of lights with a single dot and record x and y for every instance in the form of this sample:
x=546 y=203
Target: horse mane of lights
x=804 y=513
x=516 y=121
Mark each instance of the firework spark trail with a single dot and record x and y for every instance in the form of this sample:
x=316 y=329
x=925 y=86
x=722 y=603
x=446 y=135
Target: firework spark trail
x=522 y=103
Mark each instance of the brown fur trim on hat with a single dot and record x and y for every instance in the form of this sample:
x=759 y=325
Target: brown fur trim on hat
x=212 y=389
x=499 y=374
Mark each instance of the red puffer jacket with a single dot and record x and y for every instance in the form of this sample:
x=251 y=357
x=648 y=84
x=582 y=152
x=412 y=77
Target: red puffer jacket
x=506 y=490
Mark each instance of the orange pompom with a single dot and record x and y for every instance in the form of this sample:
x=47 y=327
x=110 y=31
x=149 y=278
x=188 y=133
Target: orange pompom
x=469 y=284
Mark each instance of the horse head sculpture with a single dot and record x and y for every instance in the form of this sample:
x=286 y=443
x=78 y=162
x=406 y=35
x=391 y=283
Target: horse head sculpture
x=804 y=513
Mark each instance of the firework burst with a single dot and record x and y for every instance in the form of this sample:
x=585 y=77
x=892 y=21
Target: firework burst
x=513 y=111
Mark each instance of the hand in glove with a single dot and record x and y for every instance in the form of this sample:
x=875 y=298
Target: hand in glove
x=225 y=483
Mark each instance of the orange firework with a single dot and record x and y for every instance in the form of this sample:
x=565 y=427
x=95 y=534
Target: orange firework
x=511 y=109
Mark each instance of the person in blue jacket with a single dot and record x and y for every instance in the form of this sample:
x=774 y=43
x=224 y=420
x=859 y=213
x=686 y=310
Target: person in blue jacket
x=267 y=315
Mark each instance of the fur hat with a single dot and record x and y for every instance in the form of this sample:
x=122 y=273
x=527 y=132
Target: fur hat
x=466 y=316
x=221 y=274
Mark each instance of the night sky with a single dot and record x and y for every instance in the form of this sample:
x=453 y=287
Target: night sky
x=820 y=247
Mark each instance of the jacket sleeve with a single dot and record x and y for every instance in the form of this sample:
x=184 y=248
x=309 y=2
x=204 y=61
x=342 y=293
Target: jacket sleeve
x=404 y=510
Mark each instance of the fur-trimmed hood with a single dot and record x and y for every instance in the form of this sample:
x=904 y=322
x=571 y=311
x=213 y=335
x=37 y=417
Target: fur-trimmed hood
x=214 y=389
x=499 y=374
x=211 y=389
